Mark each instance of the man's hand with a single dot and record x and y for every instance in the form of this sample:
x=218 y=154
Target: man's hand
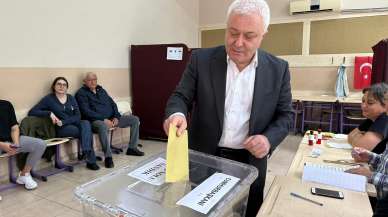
x=364 y=171
x=108 y=123
x=115 y=122
x=360 y=155
x=7 y=148
x=178 y=121
x=257 y=145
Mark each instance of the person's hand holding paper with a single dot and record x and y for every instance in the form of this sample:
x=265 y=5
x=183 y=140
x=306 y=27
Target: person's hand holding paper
x=177 y=167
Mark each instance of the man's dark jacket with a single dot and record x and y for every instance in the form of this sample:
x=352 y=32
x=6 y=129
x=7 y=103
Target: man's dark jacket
x=96 y=106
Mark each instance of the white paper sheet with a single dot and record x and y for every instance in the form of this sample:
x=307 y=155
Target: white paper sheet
x=334 y=176
x=209 y=192
x=316 y=152
x=153 y=173
x=339 y=145
x=341 y=136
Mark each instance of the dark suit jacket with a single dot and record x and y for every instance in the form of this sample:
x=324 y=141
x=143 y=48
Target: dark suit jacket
x=202 y=87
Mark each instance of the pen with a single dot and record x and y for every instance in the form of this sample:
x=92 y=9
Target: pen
x=306 y=199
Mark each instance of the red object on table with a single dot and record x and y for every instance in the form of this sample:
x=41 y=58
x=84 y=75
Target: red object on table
x=311 y=138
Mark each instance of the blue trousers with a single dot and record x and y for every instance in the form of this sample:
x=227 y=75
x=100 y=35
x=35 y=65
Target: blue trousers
x=83 y=132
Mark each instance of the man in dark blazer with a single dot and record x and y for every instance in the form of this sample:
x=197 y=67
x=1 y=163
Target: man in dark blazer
x=239 y=96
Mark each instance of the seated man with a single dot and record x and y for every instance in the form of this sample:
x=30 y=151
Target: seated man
x=12 y=143
x=371 y=134
x=100 y=109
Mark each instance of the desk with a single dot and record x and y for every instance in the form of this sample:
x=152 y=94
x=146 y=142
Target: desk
x=279 y=202
x=303 y=155
x=313 y=96
x=321 y=96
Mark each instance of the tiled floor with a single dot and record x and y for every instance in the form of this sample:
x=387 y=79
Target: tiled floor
x=55 y=197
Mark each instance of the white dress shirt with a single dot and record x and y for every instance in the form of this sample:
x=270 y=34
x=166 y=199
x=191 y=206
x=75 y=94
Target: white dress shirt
x=238 y=104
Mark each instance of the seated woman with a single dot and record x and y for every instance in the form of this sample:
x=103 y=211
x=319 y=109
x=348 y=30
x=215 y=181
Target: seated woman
x=63 y=110
x=377 y=172
x=11 y=142
x=371 y=134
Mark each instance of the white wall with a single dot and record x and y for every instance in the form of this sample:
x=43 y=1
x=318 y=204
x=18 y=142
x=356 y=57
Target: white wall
x=362 y=4
x=90 y=33
x=212 y=13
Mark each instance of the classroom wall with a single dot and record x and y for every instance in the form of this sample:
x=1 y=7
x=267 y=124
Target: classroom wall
x=26 y=86
x=43 y=39
x=321 y=79
x=212 y=13
x=308 y=72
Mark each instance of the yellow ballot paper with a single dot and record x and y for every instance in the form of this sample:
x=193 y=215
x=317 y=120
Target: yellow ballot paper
x=177 y=165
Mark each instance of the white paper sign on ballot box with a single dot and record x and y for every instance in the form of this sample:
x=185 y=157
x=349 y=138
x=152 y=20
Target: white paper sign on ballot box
x=209 y=192
x=153 y=173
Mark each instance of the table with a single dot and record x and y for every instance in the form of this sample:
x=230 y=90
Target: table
x=278 y=201
x=303 y=156
x=322 y=96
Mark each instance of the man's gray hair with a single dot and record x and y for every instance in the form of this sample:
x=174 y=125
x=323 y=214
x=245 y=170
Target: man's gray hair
x=88 y=74
x=248 y=6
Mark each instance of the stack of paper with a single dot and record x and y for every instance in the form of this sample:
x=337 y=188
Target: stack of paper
x=334 y=176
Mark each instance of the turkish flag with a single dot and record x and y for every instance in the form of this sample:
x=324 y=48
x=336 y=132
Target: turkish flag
x=362 y=72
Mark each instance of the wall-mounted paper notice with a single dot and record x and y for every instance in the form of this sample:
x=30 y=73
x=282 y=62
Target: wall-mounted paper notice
x=209 y=192
x=174 y=53
x=153 y=173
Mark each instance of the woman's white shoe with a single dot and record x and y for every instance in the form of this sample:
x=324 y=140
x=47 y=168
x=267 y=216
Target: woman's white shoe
x=27 y=181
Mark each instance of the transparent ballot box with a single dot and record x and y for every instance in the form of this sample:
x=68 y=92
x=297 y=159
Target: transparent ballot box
x=120 y=195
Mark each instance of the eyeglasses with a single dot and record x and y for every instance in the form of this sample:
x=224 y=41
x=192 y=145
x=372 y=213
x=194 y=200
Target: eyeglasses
x=95 y=79
x=61 y=84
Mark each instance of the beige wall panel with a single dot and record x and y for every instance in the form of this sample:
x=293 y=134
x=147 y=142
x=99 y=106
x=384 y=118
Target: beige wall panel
x=24 y=87
x=317 y=78
x=284 y=39
x=351 y=35
x=212 y=38
x=281 y=39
